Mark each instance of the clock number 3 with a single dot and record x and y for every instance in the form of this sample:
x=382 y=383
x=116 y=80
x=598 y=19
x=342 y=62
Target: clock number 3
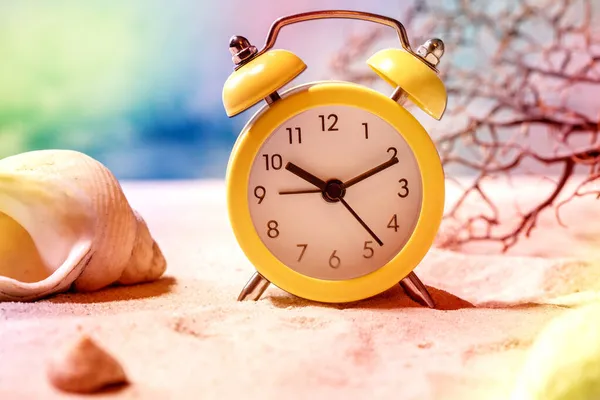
x=404 y=192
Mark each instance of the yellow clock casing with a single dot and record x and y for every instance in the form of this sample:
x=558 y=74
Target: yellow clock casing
x=258 y=76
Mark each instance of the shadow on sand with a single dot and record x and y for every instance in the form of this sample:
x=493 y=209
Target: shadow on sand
x=147 y=290
x=393 y=298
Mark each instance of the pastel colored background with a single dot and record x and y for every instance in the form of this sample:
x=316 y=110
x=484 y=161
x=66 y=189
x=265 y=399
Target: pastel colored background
x=137 y=84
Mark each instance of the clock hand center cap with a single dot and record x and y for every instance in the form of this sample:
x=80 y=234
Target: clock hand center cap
x=334 y=191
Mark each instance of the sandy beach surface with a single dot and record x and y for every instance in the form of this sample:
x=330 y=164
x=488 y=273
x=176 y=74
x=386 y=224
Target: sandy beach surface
x=186 y=337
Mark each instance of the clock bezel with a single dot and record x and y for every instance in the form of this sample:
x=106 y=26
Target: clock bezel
x=247 y=147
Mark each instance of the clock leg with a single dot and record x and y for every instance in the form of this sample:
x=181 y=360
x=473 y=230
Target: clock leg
x=255 y=287
x=416 y=290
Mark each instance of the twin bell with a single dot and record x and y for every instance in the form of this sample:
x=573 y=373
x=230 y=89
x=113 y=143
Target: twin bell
x=259 y=74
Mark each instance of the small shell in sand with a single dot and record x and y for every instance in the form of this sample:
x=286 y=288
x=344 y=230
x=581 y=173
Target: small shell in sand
x=65 y=223
x=84 y=367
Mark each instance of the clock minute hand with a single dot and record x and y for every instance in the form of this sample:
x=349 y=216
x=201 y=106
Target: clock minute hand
x=371 y=172
x=360 y=221
x=307 y=176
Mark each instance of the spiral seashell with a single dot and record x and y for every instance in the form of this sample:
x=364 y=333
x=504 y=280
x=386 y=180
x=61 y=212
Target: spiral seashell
x=65 y=223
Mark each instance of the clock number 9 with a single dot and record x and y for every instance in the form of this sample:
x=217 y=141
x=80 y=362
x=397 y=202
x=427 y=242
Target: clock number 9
x=260 y=192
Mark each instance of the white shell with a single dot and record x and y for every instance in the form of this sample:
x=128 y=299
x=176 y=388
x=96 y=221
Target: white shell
x=65 y=223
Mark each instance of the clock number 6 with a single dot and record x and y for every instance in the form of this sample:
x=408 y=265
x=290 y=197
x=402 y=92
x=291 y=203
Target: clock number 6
x=405 y=190
x=334 y=261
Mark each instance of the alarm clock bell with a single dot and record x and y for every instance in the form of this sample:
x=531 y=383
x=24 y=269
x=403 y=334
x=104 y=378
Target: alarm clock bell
x=257 y=78
x=259 y=74
x=413 y=79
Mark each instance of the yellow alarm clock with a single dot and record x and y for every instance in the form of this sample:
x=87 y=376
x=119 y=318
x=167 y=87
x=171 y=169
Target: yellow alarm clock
x=335 y=192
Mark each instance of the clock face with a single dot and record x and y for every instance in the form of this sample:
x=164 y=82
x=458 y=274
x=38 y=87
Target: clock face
x=345 y=225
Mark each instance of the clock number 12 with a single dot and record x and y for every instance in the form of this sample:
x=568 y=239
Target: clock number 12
x=332 y=126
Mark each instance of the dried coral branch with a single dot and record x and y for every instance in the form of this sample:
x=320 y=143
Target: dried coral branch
x=522 y=78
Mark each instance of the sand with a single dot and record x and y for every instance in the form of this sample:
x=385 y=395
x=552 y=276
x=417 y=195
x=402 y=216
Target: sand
x=186 y=337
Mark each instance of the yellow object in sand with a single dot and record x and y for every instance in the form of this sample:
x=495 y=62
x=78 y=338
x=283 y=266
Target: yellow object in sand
x=564 y=361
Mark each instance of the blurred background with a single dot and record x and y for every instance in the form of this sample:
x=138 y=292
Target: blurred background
x=137 y=84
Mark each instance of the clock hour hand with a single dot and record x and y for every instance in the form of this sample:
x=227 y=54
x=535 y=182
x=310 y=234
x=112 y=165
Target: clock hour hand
x=307 y=176
x=371 y=172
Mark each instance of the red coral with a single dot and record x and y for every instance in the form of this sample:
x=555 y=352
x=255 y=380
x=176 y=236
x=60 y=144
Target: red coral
x=523 y=80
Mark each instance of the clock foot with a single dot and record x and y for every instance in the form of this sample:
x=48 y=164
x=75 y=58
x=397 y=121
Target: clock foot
x=255 y=287
x=416 y=290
